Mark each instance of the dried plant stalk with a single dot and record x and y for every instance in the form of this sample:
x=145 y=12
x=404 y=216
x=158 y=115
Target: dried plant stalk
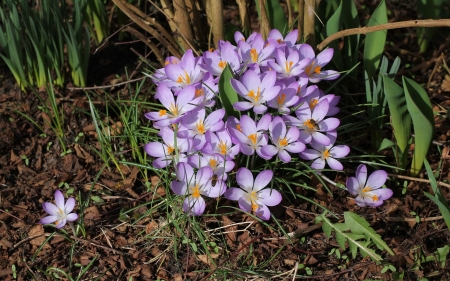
x=308 y=22
x=171 y=48
x=301 y=4
x=289 y=10
x=144 y=39
x=181 y=19
x=197 y=25
x=265 y=25
x=166 y=6
x=243 y=13
x=215 y=14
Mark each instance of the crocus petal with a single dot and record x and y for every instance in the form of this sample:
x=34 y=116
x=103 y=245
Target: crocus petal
x=284 y=156
x=161 y=162
x=234 y=194
x=216 y=190
x=269 y=197
x=70 y=204
x=245 y=179
x=320 y=111
x=295 y=147
x=245 y=205
x=352 y=185
x=361 y=175
x=61 y=223
x=59 y=199
x=203 y=175
x=71 y=217
x=320 y=138
x=310 y=154
x=242 y=105
x=48 y=219
x=269 y=150
x=263 y=212
x=259 y=109
x=155 y=149
x=50 y=208
x=194 y=206
x=318 y=164
x=334 y=164
x=377 y=179
x=329 y=124
x=179 y=188
x=383 y=193
x=325 y=57
x=263 y=179
x=339 y=151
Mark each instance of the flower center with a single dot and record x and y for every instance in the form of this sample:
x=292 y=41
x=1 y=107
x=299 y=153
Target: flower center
x=186 y=79
x=195 y=191
x=255 y=98
x=280 y=41
x=222 y=147
x=252 y=198
x=212 y=163
x=222 y=64
x=317 y=69
x=170 y=150
x=238 y=127
x=254 y=55
x=200 y=127
x=288 y=66
x=280 y=99
x=368 y=189
x=253 y=137
x=199 y=93
x=311 y=125
x=313 y=103
x=173 y=109
x=162 y=112
x=282 y=142
x=326 y=153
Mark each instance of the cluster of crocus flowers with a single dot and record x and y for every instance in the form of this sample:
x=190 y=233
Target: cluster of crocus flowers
x=283 y=115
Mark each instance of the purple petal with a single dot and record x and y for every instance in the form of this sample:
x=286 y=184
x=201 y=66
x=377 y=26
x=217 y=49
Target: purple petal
x=239 y=87
x=263 y=212
x=185 y=96
x=383 y=193
x=61 y=223
x=162 y=162
x=361 y=175
x=155 y=149
x=320 y=111
x=329 y=124
x=377 y=179
x=334 y=164
x=269 y=197
x=268 y=81
x=235 y=194
x=320 y=138
x=242 y=105
x=248 y=126
x=263 y=179
x=245 y=205
x=339 y=151
x=179 y=188
x=70 y=204
x=310 y=154
x=50 y=208
x=318 y=164
x=217 y=190
x=185 y=172
x=204 y=174
x=59 y=199
x=194 y=206
x=325 y=57
x=269 y=151
x=165 y=96
x=71 y=217
x=352 y=185
x=251 y=80
x=284 y=156
x=245 y=179
x=295 y=147
x=48 y=220
x=259 y=109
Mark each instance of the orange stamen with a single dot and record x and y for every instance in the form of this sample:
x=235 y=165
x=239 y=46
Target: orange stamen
x=254 y=55
x=253 y=137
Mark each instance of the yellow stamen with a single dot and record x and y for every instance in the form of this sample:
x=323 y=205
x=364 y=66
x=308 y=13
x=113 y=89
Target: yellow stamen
x=170 y=150
x=222 y=64
x=173 y=109
x=375 y=198
x=254 y=55
x=252 y=198
x=281 y=98
x=309 y=125
x=313 y=103
x=288 y=66
x=326 y=153
x=367 y=189
x=308 y=68
x=195 y=191
x=166 y=62
x=162 y=112
x=186 y=79
x=222 y=147
x=254 y=207
x=238 y=127
x=317 y=69
x=56 y=222
x=280 y=41
x=283 y=142
x=252 y=95
x=199 y=93
x=212 y=163
x=201 y=127
x=253 y=137
x=211 y=49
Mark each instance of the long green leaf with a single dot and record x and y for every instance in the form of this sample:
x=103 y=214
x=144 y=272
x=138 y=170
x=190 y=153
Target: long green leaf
x=400 y=118
x=438 y=197
x=374 y=44
x=421 y=112
x=227 y=94
x=277 y=17
x=332 y=26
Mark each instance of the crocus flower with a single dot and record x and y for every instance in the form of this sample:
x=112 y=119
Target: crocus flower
x=165 y=152
x=216 y=61
x=193 y=186
x=251 y=196
x=256 y=51
x=285 y=98
x=288 y=63
x=207 y=90
x=256 y=89
x=312 y=123
x=220 y=143
x=218 y=164
x=175 y=110
x=315 y=65
x=196 y=125
x=59 y=213
x=251 y=137
x=316 y=95
x=368 y=193
x=186 y=72
x=289 y=41
x=326 y=153
x=284 y=141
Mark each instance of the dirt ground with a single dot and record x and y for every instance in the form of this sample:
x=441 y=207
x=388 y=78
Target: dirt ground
x=31 y=168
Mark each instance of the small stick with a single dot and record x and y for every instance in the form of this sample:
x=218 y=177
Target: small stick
x=10 y=215
x=386 y=26
x=418 y=179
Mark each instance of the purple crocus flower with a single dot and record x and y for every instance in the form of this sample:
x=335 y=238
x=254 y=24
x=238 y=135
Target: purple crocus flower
x=216 y=61
x=289 y=41
x=284 y=141
x=326 y=153
x=238 y=37
x=316 y=95
x=312 y=123
x=207 y=90
x=196 y=125
x=288 y=63
x=368 y=193
x=251 y=137
x=165 y=152
x=184 y=73
x=220 y=143
x=193 y=186
x=251 y=196
x=218 y=164
x=256 y=89
x=315 y=65
x=59 y=213
x=175 y=110
x=256 y=51
x=285 y=98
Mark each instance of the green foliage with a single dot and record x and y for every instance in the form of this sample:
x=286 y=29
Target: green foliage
x=357 y=232
x=438 y=197
x=276 y=14
x=228 y=96
x=374 y=43
x=419 y=107
x=427 y=9
x=95 y=14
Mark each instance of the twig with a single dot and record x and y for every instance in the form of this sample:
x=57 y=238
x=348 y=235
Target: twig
x=10 y=215
x=95 y=244
x=417 y=179
x=398 y=219
x=105 y=87
x=386 y=26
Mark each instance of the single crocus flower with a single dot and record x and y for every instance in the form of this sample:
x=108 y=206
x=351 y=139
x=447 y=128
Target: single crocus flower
x=285 y=141
x=285 y=98
x=193 y=186
x=316 y=95
x=314 y=68
x=288 y=63
x=217 y=163
x=251 y=196
x=368 y=193
x=216 y=61
x=289 y=41
x=220 y=143
x=256 y=51
x=326 y=153
x=252 y=137
x=186 y=72
x=59 y=213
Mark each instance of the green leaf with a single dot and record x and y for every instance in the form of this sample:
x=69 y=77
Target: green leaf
x=277 y=17
x=332 y=26
x=359 y=225
x=374 y=44
x=421 y=112
x=227 y=94
x=385 y=143
x=400 y=118
x=427 y=9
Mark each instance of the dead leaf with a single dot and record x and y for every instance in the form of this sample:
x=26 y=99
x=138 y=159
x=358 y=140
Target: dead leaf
x=207 y=260
x=38 y=232
x=445 y=86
